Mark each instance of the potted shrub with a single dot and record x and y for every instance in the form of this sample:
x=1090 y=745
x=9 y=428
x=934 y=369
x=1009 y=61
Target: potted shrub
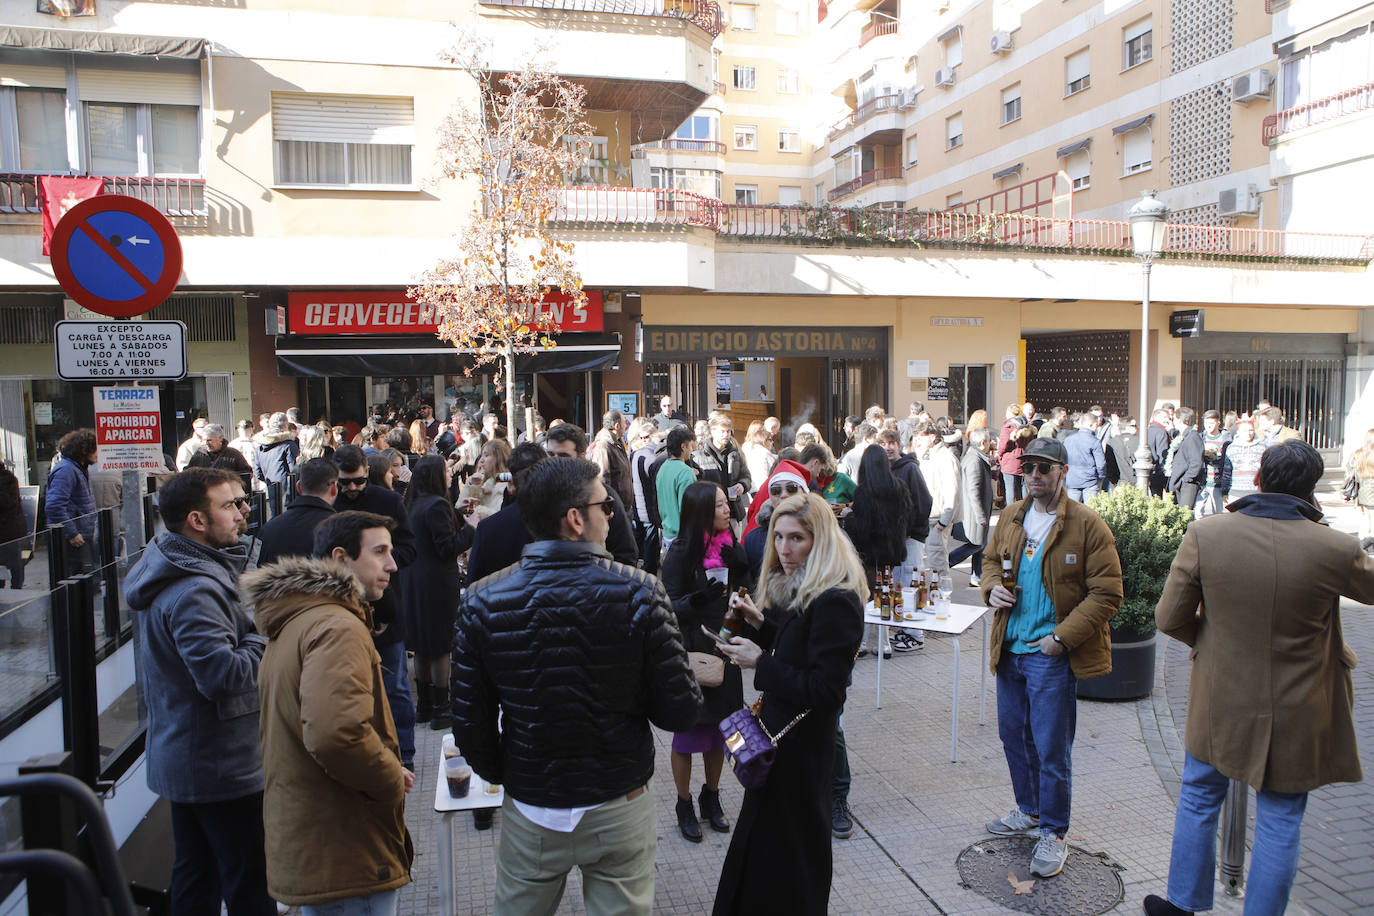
x=1148 y=532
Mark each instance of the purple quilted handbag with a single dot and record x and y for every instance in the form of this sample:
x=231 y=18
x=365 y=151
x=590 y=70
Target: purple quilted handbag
x=749 y=745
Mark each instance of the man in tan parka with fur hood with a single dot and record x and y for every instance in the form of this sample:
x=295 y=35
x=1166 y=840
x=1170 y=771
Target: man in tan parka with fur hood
x=334 y=808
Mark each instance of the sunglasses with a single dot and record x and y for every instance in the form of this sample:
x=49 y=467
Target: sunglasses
x=788 y=488
x=607 y=506
x=1042 y=468
x=347 y=482
x=238 y=502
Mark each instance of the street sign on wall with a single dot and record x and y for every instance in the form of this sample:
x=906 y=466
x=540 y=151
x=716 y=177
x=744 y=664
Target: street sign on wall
x=116 y=255
x=128 y=429
x=114 y=350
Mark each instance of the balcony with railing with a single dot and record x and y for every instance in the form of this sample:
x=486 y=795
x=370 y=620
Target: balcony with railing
x=874 y=106
x=877 y=28
x=174 y=197
x=872 y=176
x=679 y=144
x=955 y=229
x=658 y=207
x=704 y=14
x=1360 y=98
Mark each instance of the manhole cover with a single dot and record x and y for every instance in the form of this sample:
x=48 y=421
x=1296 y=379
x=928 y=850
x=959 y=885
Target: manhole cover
x=1088 y=884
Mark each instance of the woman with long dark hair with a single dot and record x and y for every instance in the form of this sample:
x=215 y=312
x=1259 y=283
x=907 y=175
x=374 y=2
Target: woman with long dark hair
x=431 y=585
x=878 y=519
x=702 y=565
x=809 y=615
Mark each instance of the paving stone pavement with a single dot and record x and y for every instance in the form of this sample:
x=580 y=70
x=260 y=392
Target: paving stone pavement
x=915 y=811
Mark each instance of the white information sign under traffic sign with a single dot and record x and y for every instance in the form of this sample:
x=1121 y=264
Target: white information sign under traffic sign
x=114 y=350
x=128 y=429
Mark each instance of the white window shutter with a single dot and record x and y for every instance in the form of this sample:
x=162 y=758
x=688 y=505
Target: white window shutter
x=1136 y=150
x=1136 y=29
x=33 y=77
x=138 y=86
x=1076 y=66
x=343 y=118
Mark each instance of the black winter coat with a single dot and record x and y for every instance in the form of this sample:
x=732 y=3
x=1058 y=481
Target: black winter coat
x=497 y=543
x=1157 y=439
x=277 y=454
x=1188 y=466
x=292 y=534
x=699 y=602
x=388 y=608
x=908 y=470
x=13 y=525
x=779 y=859
x=432 y=584
x=579 y=654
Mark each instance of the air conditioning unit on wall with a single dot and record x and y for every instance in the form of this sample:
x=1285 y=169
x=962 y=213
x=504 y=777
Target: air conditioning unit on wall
x=1001 y=43
x=1243 y=200
x=909 y=99
x=944 y=76
x=1252 y=85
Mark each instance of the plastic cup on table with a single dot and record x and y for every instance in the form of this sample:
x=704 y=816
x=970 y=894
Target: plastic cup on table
x=459 y=777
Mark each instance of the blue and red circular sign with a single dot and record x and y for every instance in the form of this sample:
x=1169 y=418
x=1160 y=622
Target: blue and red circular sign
x=116 y=255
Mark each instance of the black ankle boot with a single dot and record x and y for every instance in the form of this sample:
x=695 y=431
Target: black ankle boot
x=709 y=800
x=687 y=820
x=424 y=701
x=440 y=716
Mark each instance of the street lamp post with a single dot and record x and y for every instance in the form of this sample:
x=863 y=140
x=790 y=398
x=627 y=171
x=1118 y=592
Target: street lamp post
x=1149 y=224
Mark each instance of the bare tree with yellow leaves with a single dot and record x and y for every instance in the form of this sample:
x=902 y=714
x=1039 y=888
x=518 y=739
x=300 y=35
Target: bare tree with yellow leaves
x=517 y=142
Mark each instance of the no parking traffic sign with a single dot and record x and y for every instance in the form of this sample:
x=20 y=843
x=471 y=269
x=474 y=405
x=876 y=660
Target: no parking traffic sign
x=116 y=255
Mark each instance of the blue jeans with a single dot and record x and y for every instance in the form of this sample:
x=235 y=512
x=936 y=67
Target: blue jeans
x=965 y=550
x=1273 y=861
x=396 y=679
x=1083 y=494
x=382 y=904
x=1037 y=713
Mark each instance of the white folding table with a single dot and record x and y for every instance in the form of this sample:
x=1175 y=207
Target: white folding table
x=448 y=806
x=961 y=617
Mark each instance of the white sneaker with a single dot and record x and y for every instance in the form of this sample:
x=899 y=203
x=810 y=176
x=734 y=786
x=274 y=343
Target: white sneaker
x=1049 y=856
x=974 y=582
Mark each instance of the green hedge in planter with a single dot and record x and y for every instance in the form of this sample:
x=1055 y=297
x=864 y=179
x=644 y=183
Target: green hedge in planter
x=1148 y=532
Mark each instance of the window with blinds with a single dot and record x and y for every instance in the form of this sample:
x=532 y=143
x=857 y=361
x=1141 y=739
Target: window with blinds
x=343 y=140
x=1135 y=152
x=1076 y=72
x=1078 y=166
x=954 y=131
x=1138 y=44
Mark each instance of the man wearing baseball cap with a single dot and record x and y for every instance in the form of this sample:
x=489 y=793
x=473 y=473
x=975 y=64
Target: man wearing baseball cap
x=1047 y=632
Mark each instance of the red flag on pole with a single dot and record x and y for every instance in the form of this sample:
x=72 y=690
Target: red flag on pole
x=60 y=194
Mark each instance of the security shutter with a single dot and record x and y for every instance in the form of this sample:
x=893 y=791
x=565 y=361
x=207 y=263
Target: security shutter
x=138 y=86
x=32 y=77
x=1136 y=152
x=1136 y=29
x=1076 y=66
x=343 y=118
x=1079 y=369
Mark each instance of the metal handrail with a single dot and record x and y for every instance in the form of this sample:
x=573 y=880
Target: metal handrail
x=705 y=14
x=1360 y=98
x=635 y=206
x=185 y=197
x=714 y=147
x=891 y=173
x=865 y=111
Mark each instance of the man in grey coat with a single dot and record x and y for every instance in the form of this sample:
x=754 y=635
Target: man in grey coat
x=198 y=657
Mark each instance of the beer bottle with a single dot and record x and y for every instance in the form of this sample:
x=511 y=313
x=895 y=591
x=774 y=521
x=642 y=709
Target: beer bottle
x=884 y=596
x=1008 y=576
x=922 y=591
x=734 y=621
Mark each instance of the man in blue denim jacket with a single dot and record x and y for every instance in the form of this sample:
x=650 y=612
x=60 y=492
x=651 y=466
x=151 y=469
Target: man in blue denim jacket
x=198 y=657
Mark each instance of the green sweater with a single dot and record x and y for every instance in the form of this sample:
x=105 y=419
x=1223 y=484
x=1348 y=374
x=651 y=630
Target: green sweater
x=673 y=480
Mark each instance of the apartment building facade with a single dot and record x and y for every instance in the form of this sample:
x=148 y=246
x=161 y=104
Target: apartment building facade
x=292 y=145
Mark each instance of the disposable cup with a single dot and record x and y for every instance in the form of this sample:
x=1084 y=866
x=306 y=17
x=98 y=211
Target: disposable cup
x=459 y=777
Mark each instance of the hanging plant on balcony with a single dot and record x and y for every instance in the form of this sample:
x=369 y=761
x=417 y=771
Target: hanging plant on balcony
x=515 y=141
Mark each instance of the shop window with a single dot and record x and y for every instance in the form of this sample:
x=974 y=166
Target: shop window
x=789 y=140
x=746 y=77
x=343 y=140
x=1137 y=44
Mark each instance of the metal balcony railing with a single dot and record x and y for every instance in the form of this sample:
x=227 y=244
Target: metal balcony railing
x=718 y=87
x=1361 y=98
x=635 y=207
x=872 y=176
x=873 y=106
x=877 y=28
x=705 y=14
x=713 y=147
x=948 y=228
x=184 y=197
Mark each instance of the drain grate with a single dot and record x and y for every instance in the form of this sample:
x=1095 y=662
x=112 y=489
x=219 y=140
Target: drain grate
x=1088 y=885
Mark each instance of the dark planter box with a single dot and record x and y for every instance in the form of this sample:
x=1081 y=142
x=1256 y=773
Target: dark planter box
x=1132 y=675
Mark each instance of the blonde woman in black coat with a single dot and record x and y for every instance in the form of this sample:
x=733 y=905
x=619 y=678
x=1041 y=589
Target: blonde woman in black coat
x=809 y=615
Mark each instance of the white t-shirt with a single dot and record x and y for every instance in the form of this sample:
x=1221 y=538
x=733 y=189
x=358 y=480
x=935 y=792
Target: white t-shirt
x=1037 y=525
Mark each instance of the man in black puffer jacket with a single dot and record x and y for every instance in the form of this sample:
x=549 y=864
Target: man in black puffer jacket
x=578 y=654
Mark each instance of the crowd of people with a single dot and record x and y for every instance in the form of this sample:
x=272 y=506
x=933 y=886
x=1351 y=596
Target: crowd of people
x=549 y=596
